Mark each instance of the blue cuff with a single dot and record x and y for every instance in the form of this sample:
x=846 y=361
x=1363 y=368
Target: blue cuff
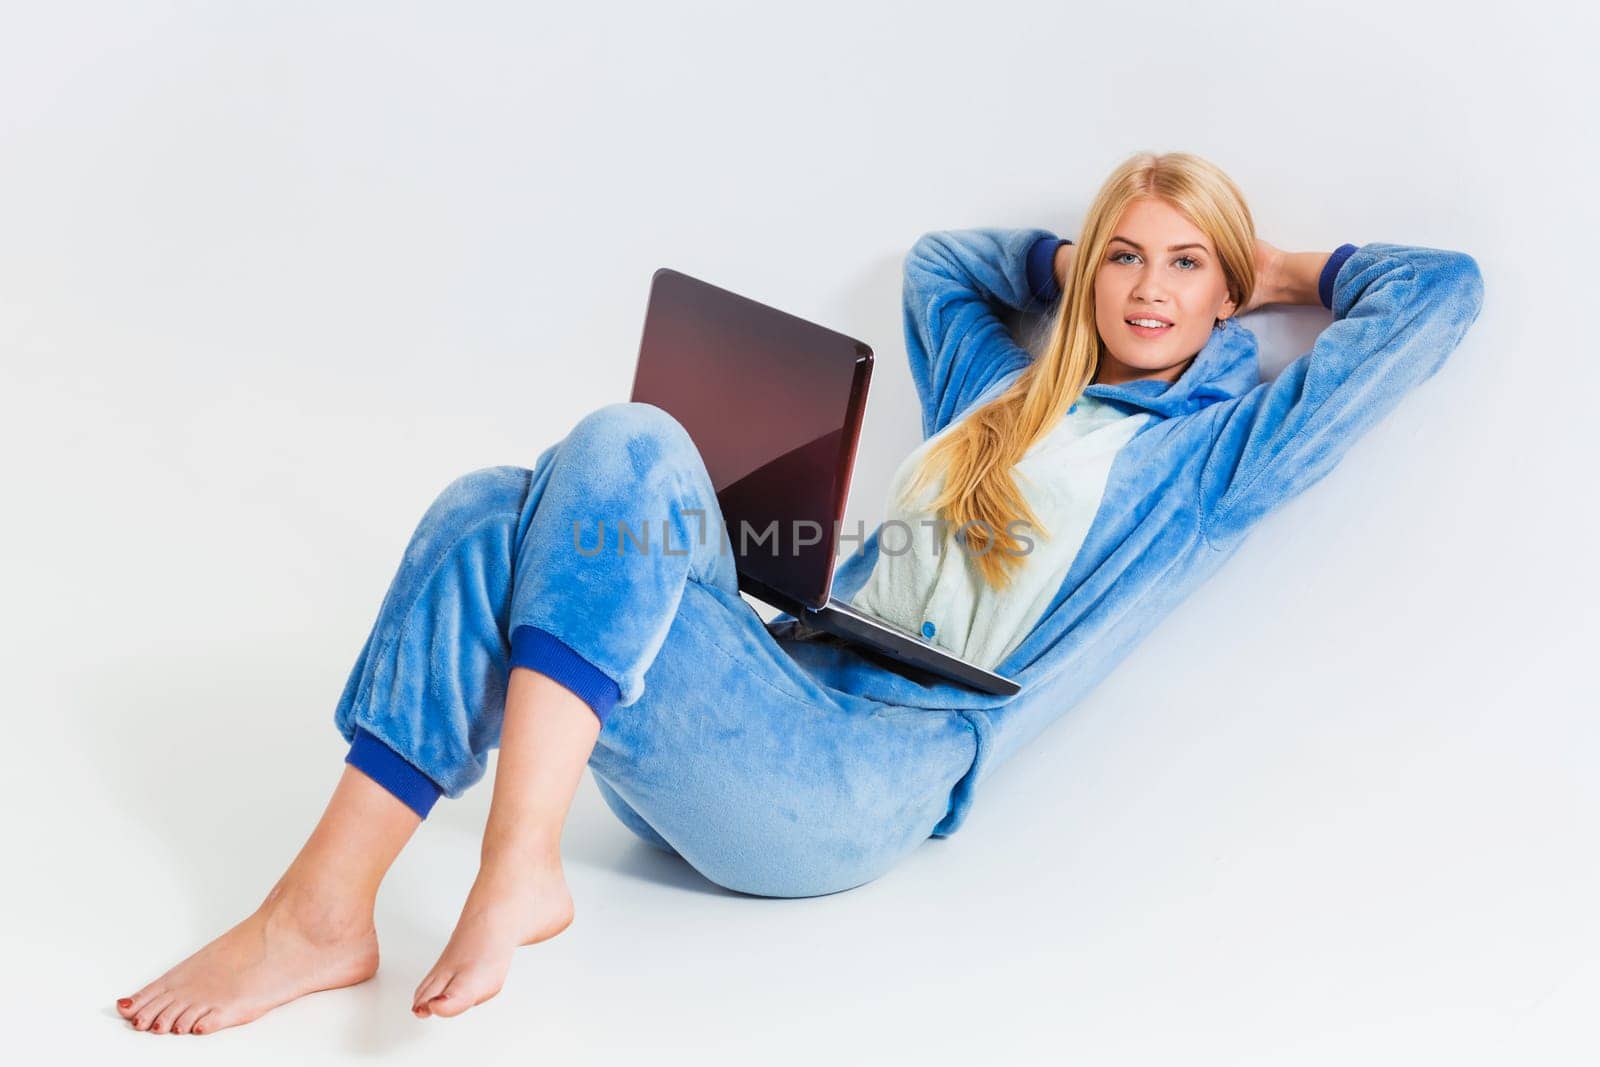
x=1042 y=268
x=1330 y=271
x=389 y=769
x=542 y=651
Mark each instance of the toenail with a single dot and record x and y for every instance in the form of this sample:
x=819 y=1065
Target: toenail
x=125 y=1002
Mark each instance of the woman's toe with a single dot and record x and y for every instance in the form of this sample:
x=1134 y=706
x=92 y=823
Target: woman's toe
x=185 y=1020
x=465 y=991
x=431 y=987
x=444 y=998
x=202 y=1023
x=447 y=1004
x=163 y=1020
x=147 y=1013
x=222 y=1017
x=139 y=1000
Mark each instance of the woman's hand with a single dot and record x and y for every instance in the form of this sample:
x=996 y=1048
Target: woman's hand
x=1064 y=255
x=1269 y=262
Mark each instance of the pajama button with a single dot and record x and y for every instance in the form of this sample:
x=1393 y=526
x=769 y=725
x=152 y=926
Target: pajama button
x=927 y=629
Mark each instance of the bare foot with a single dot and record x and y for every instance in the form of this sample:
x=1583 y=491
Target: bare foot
x=296 y=942
x=510 y=904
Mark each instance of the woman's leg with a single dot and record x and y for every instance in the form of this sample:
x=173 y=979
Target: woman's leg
x=501 y=626
x=313 y=931
x=590 y=608
x=520 y=896
x=761 y=778
x=793 y=796
x=421 y=708
x=732 y=754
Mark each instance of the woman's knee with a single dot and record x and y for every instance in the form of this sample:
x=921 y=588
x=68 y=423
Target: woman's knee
x=477 y=494
x=636 y=434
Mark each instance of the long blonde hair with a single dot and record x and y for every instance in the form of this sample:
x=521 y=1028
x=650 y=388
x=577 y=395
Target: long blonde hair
x=978 y=453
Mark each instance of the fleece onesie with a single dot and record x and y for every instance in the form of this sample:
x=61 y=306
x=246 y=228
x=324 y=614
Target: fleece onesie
x=782 y=762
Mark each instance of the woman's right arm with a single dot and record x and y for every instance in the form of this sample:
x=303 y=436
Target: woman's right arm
x=956 y=342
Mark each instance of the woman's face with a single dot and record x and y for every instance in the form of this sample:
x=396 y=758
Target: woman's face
x=1158 y=265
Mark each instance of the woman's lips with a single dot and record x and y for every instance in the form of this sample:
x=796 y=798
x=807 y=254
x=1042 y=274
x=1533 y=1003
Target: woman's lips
x=1147 y=331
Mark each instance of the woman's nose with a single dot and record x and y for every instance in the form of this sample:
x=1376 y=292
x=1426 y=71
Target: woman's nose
x=1147 y=290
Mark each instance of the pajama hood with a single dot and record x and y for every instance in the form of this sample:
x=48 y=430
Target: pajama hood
x=1216 y=451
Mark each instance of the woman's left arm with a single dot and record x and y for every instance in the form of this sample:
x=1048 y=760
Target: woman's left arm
x=1293 y=277
x=1399 y=311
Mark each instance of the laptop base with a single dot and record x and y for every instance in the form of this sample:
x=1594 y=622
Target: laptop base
x=887 y=645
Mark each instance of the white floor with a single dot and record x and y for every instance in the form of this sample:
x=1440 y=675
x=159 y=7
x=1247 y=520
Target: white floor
x=1158 y=879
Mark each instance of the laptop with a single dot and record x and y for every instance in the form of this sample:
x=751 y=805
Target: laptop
x=774 y=404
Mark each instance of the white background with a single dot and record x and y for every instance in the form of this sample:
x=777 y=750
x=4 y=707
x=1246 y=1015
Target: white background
x=272 y=274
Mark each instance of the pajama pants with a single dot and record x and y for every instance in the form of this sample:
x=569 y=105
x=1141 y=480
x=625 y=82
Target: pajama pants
x=607 y=567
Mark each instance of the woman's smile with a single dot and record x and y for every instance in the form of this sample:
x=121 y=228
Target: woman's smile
x=1150 y=331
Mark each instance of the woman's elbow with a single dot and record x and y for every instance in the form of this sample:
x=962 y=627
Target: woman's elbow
x=1464 y=280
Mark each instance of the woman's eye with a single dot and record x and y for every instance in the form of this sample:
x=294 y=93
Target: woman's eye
x=1116 y=257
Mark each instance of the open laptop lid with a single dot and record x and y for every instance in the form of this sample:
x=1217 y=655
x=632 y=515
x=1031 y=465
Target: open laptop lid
x=774 y=404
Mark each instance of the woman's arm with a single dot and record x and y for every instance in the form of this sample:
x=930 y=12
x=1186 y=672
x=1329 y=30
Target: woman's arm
x=1064 y=256
x=956 y=342
x=1399 y=311
x=1287 y=277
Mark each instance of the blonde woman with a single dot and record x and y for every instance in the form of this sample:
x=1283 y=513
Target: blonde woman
x=1061 y=503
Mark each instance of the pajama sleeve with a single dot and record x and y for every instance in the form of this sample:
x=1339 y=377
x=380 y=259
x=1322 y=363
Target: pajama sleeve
x=1399 y=311
x=957 y=344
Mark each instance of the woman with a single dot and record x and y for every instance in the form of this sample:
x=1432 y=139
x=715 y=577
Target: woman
x=1138 y=449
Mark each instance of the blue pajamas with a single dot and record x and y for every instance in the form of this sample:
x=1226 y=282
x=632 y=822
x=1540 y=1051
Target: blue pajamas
x=715 y=742
x=781 y=763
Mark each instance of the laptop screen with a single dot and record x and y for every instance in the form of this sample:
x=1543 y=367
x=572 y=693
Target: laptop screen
x=774 y=404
